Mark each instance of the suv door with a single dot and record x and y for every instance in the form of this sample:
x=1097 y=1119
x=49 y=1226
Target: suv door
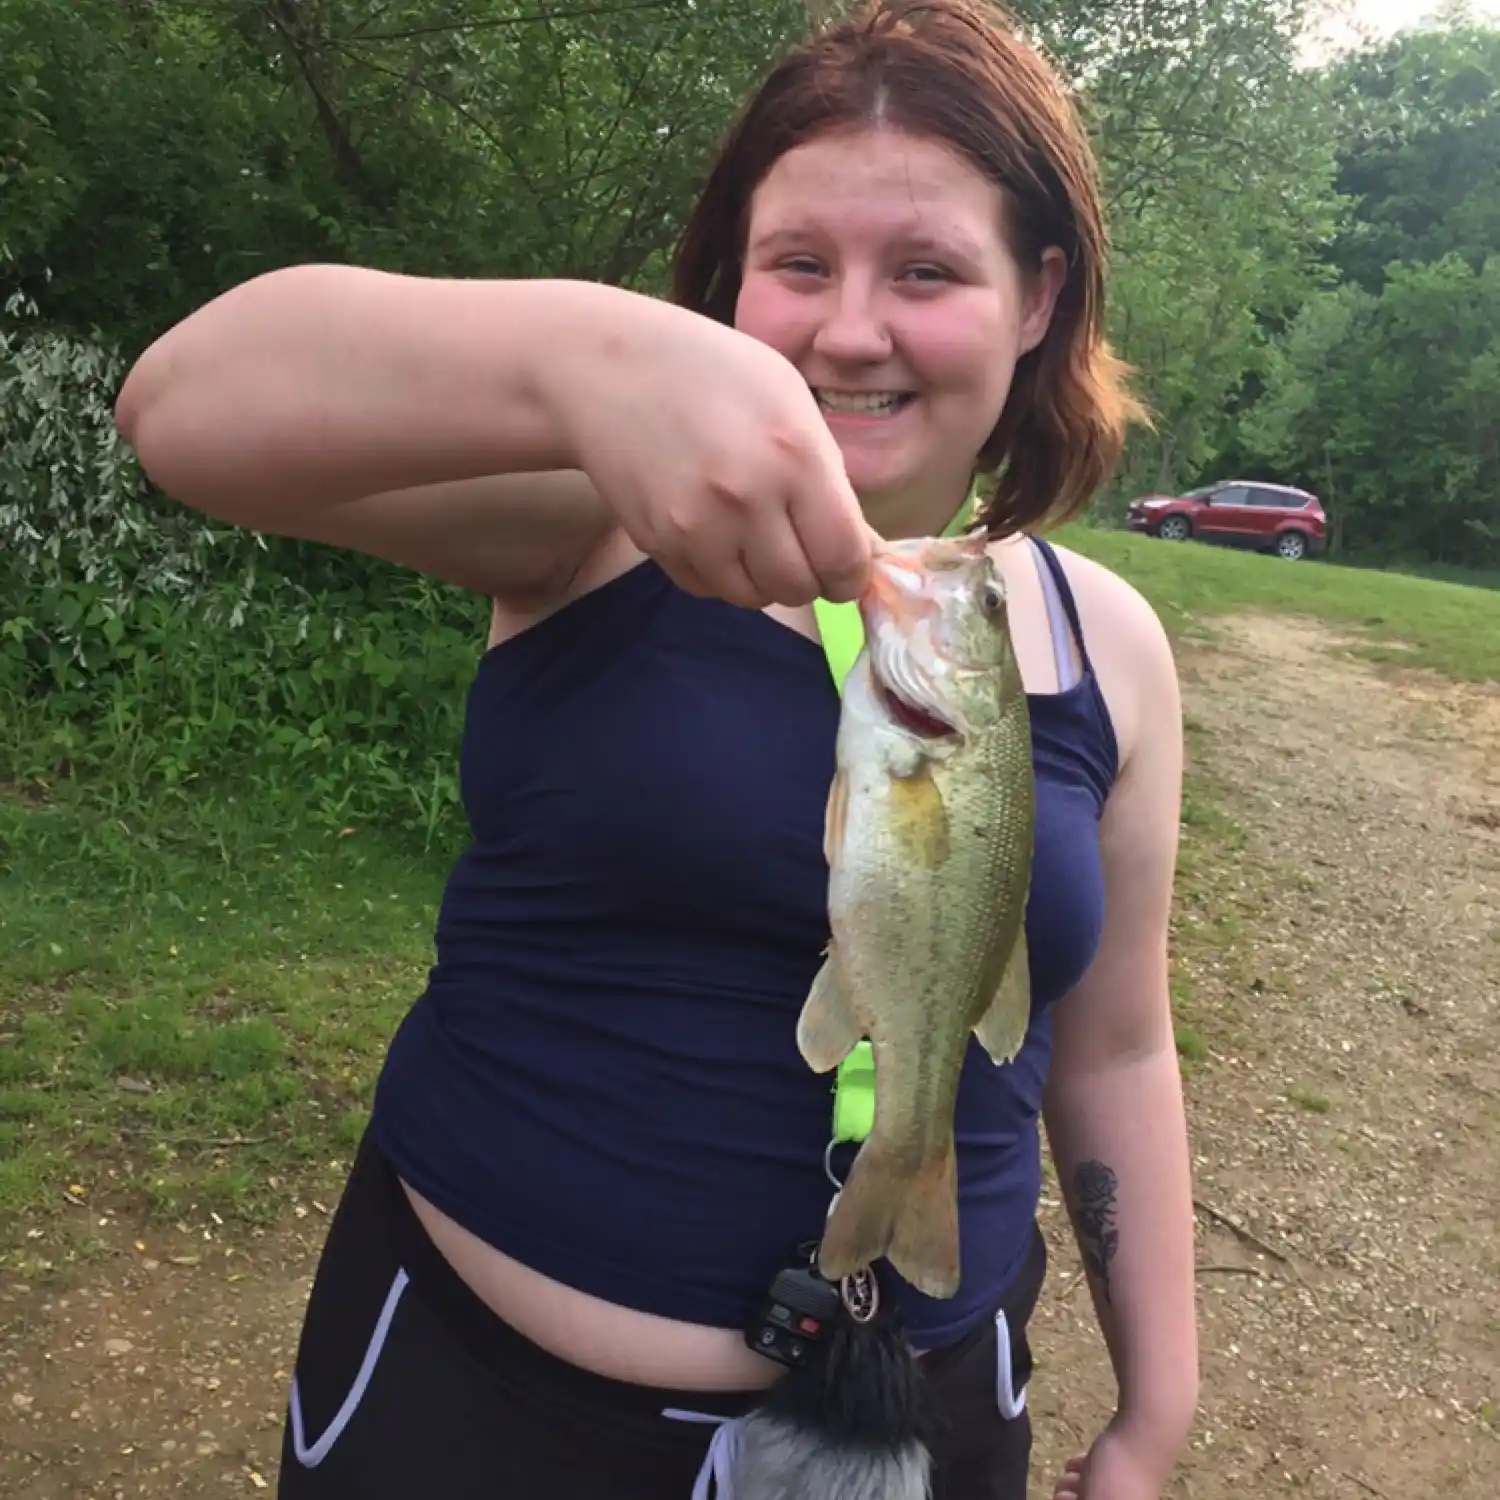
x=1223 y=515
x=1266 y=512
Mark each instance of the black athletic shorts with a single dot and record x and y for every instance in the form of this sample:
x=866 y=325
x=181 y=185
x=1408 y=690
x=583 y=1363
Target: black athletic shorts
x=408 y=1385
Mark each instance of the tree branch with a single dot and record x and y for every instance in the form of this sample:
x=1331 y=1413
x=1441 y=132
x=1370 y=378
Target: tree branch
x=469 y=118
x=347 y=160
x=521 y=18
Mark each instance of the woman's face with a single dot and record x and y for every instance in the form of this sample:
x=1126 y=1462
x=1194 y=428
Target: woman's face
x=876 y=262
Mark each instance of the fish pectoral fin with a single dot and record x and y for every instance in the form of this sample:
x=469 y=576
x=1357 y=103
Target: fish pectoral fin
x=1002 y=1028
x=827 y=1031
x=919 y=819
x=835 y=816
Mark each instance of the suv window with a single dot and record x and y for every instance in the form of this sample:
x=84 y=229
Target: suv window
x=1233 y=494
x=1275 y=500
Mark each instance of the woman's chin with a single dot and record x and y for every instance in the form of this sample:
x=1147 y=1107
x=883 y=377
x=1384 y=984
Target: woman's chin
x=882 y=471
x=902 y=499
x=879 y=477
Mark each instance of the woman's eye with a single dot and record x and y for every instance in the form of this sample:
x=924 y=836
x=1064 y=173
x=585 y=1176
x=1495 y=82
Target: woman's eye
x=928 y=274
x=801 y=265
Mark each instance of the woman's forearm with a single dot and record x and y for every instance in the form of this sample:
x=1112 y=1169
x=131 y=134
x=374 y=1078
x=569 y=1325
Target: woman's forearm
x=1118 y=1140
x=319 y=384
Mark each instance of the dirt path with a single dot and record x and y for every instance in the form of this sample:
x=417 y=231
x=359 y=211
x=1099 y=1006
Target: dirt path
x=1340 y=963
x=1343 y=969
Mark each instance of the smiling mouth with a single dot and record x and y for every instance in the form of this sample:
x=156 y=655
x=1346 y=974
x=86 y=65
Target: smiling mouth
x=863 y=403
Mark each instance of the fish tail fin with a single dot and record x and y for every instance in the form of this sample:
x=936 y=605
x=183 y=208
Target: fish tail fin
x=924 y=1246
x=908 y=1216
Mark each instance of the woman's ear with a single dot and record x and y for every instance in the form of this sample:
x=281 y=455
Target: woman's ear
x=1040 y=295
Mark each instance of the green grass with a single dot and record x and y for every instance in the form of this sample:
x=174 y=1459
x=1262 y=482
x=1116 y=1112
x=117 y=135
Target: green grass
x=191 y=1010
x=1452 y=628
x=1310 y=1100
x=1479 y=578
x=1202 y=919
x=1191 y=1047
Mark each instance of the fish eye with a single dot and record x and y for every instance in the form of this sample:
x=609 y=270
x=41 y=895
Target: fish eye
x=991 y=599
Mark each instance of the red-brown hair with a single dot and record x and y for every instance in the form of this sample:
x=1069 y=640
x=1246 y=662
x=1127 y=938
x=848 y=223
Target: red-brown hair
x=955 y=71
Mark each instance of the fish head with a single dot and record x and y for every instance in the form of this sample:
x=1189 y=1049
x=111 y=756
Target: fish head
x=937 y=624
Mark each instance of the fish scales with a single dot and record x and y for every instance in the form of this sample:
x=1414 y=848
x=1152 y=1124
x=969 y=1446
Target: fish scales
x=929 y=839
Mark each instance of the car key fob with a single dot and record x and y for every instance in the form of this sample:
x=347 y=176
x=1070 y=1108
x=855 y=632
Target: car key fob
x=796 y=1315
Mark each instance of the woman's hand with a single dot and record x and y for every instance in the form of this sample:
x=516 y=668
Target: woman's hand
x=710 y=449
x=1125 y=1463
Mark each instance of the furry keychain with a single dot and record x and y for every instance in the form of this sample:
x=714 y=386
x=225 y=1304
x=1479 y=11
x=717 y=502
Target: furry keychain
x=852 y=1418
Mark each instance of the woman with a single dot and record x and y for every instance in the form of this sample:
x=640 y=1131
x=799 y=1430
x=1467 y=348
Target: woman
x=594 y=1143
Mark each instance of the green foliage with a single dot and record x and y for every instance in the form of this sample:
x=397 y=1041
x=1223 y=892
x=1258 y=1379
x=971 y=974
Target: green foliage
x=1389 y=406
x=1338 y=328
x=344 y=716
x=1383 y=392
x=166 y=150
x=1218 y=155
x=1300 y=278
x=141 y=645
x=79 y=527
x=1420 y=151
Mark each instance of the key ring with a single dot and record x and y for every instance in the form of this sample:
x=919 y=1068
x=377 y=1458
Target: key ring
x=860 y=1294
x=828 y=1151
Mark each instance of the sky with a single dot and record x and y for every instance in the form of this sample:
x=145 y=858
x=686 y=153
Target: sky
x=1388 y=16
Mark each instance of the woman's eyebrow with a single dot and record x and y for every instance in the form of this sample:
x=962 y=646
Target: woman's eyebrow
x=918 y=242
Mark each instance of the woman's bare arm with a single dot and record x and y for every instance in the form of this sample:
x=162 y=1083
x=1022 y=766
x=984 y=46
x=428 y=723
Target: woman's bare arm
x=391 y=415
x=517 y=538
x=1113 y=1104
x=436 y=422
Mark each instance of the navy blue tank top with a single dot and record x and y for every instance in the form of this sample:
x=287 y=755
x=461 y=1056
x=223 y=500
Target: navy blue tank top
x=601 y=1078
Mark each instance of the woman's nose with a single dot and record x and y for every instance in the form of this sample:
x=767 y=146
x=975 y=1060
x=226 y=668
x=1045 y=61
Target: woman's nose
x=852 y=327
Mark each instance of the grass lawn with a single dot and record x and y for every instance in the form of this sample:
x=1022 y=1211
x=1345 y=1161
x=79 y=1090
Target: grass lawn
x=189 y=1018
x=193 y=1004
x=1450 y=627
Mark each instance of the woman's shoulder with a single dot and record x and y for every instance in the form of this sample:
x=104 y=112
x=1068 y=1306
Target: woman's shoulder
x=1119 y=605
x=1130 y=650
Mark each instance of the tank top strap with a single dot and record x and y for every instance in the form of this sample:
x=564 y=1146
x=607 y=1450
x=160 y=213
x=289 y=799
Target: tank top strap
x=1062 y=613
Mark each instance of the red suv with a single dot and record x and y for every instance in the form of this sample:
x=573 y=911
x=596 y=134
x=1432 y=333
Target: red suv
x=1237 y=513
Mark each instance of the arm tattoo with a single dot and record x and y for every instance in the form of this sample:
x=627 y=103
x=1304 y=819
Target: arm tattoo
x=1094 y=1186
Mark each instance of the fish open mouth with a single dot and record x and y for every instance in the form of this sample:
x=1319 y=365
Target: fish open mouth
x=900 y=684
x=913 y=717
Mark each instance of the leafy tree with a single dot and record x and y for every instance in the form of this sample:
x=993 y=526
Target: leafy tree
x=1389 y=406
x=520 y=137
x=1419 y=150
x=1218 y=158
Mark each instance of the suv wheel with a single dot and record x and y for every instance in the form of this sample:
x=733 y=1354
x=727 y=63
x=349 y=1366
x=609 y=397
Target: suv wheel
x=1291 y=546
x=1174 y=529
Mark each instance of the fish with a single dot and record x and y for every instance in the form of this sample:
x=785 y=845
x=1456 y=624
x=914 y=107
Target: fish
x=928 y=836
